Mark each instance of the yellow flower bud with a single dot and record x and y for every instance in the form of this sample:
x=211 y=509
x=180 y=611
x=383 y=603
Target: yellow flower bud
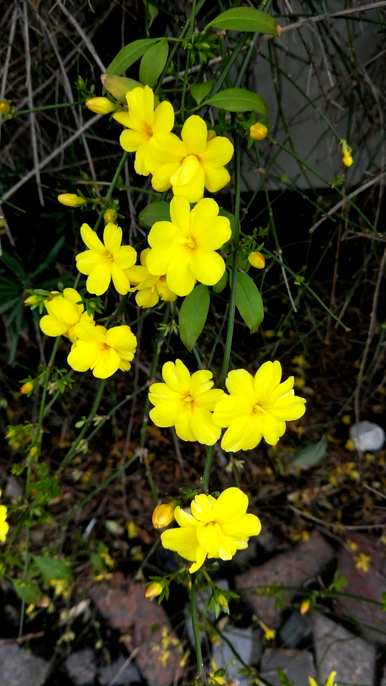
x=118 y=86
x=163 y=515
x=26 y=388
x=258 y=131
x=100 y=105
x=110 y=216
x=256 y=259
x=153 y=590
x=32 y=300
x=347 y=158
x=132 y=529
x=71 y=200
x=305 y=606
x=5 y=107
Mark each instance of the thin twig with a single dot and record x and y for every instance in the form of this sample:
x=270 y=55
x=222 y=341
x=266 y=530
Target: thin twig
x=324 y=17
x=49 y=158
x=82 y=34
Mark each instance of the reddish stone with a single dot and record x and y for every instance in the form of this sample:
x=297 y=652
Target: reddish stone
x=290 y=569
x=369 y=618
x=158 y=651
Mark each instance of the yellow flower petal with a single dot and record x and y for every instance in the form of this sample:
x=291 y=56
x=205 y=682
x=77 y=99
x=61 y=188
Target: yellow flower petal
x=207 y=267
x=163 y=118
x=90 y=238
x=183 y=541
x=180 y=278
x=120 y=280
x=215 y=178
x=231 y=504
x=112 y=237
x=106 y=363
x=131 y=140
x=52 y=326
x=218 y=152
x=203 y=427
x=195 y=134
x=99 y=280
x=179 y=214
x=82 y=355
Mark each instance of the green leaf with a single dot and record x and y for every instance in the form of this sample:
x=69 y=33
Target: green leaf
x=52 y=567
x=153 y=62
x=311 y=454
x=193 y=313
x=238 y=100
x=157 y=211
x=28 y=591
x=245 y=19
x=15 y=267
x=129 y=54
x=220 y=285
x=52 y=255
x=249 y=301
x=199 y=91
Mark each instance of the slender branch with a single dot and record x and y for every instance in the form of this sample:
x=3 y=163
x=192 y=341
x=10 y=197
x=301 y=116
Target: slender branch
x=324 y=17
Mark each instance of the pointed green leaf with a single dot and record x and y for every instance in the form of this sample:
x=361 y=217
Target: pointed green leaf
x=28 y=591
x=311 y=454
x=129 y=54
x=52 y=567
x=245 y=19
x=249 y=301
x=157 y=211
x=199 y=91
x=238 y=100
x=193 y=314
x=153 y=62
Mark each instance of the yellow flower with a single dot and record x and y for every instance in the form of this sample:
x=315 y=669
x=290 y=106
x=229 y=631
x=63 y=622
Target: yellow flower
x=132 y=529
x=150 y=289
x=163 y=515
x=347 y=158
x=305 y=607
x=71 y=200
x=185 y=248
x=102 y=350
x=105 y=261
x=256 y=259
x=5 y=106
x=269 y=634
x=216 y=527
x=143 y=122
x=153 y=590
x=4 y=526
x=186 y=402
x=257 y=407
x=330 y=680
x=192 y=164
x=65 y=313
x=26 y=388
x=258 y=131
x=363 y=562
x=100 y=105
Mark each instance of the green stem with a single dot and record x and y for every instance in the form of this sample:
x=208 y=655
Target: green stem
x=44 y=108
x=39 y=429
x=111 y=190
x=73 y=450
x=232 y=306
x=196 y=632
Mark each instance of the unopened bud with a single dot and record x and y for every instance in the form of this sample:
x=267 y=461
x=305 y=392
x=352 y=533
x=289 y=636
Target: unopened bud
x=118 y=86
x=26 y=388
x=347 y=158
x=100 y=105
x=153 y=590
x=32 y=301
x=305 y=606
x=258 y=131
x=163 y=515
x=71 y=200
x=5 y=106
x=110 y=216
x=256 y=259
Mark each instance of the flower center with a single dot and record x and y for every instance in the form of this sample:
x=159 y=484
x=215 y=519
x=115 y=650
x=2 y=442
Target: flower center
x=257 y=409
x=108 y=256
x=147 y=130
x=188 y=400
x=103 y=347
x=190 y=243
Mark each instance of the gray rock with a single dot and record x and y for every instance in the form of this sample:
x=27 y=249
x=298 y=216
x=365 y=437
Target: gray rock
x=369 y=618
x=367 y=436
x=352 y=658
x=81 y=667
x=268 y=540
x=122 y=672
x=19 y=668
x=246 y=643
x=288 y=570
x=295 y=630
x=297 y=665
